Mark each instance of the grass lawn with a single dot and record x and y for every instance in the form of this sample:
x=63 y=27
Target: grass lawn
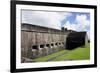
x=80 y=53
x=45 y=58
x=77 y=54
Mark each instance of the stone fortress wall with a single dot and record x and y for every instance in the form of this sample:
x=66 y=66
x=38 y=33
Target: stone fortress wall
x=37 y=41
x=35 y=38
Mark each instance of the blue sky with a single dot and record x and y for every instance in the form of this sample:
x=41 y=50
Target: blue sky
x=79 y=21
x=72 y=18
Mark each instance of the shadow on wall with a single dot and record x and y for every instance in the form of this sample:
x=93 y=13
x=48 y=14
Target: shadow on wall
x=75 y=39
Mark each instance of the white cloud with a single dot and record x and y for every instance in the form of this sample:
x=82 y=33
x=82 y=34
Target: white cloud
x=82 y=20
x=42 y=18
x=70 y=26
x=80 y=24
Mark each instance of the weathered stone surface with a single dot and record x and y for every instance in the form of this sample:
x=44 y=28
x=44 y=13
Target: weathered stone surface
x=35 y=35
x=46 y=40
x=26 y=60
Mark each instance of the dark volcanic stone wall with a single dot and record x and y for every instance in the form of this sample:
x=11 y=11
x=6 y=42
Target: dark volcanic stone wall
x=76 y=39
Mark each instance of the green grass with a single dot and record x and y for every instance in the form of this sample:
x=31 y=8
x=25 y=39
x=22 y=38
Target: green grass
x=77 y=54
x=80 y=53
x=45 y=58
